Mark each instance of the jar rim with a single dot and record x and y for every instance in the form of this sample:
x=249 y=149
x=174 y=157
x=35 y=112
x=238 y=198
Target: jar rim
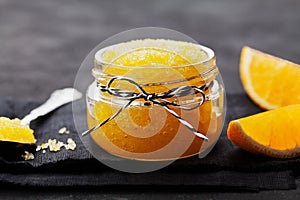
x=210 y=56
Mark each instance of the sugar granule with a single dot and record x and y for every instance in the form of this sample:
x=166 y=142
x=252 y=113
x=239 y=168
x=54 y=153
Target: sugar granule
x=64 y=130
x=28 y=156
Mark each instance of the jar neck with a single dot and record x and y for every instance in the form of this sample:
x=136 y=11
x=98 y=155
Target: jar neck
x=154 y=77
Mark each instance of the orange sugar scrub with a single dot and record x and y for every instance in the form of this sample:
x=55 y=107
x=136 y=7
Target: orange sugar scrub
x=11 y=130
x=145 y=130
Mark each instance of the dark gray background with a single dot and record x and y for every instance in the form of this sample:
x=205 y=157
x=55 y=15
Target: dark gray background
x=43 y=42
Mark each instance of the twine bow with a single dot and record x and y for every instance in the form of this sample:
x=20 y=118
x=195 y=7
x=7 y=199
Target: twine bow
x=159 y=99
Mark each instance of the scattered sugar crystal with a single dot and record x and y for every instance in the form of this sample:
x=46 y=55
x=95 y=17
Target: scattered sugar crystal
x=39 y=147
x=28 y=156
x=51 y=142
x=62 y=130
x=42 y=146
x=71 y=144
x=55 y=146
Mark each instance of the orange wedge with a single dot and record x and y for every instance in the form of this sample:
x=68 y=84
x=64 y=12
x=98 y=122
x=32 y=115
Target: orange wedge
x=271 y=82
x=274 y=133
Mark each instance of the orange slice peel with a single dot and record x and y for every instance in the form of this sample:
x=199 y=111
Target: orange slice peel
x=274 y=133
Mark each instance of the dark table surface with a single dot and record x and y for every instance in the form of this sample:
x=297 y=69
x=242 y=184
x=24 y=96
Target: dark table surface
x=42 y=44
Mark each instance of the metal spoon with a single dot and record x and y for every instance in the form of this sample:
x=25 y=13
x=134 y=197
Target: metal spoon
x=56 y=99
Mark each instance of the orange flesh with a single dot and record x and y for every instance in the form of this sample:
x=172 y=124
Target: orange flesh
x=270 y=81
x=143 y=132
x=11 y=130
x=275 y=133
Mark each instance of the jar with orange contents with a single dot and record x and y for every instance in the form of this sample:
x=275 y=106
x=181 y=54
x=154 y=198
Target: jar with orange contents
x=155 y=99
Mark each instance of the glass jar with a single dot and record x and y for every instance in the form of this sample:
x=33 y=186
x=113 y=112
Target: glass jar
x=156 y=99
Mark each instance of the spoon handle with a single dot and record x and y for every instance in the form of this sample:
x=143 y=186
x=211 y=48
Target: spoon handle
x=57 y=99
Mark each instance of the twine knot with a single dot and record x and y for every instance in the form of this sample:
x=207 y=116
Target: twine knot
x=158 y=99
